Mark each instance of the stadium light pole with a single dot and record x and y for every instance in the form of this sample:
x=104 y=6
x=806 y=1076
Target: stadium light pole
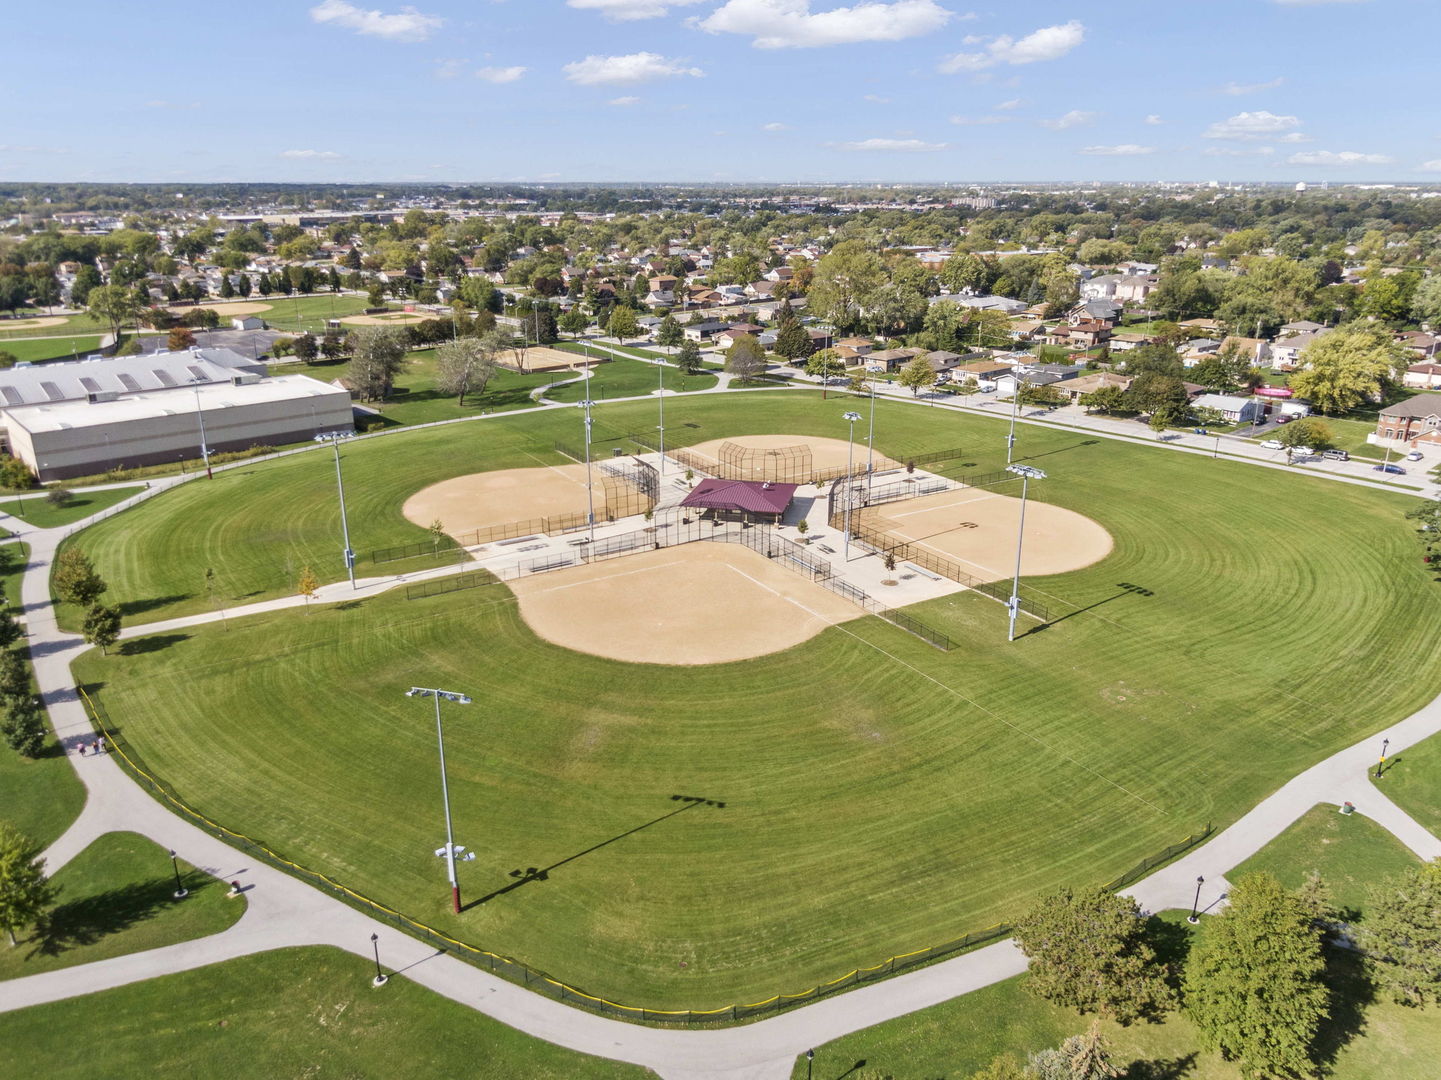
x=589 y=485
x=200 y=416
x=871 y=438
x=450 y=850
x=335 y=438
x=660 y=397
x=1027 y=473
x=850 y=418
x=1015 y=407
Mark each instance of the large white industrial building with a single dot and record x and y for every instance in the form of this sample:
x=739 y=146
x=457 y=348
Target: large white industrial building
x=78 y=418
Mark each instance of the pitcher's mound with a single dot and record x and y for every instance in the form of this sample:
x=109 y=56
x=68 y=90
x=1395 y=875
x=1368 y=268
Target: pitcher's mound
x=701 y=603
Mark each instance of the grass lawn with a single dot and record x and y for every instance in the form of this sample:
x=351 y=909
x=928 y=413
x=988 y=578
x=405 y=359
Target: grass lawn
x=37 y=510
x=13 y=559
x=116 y=898
x=40 y=797
x=415 y=399
x=289 y=1013
x=1413 y=781
x=1350 y=853
x=298 y=313
x=74 y=324
x=864 y=774
x=629 y=378
x=36 y=350
x=1370 y=1040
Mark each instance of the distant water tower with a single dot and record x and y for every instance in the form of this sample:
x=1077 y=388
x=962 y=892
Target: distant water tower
x=1301 y=186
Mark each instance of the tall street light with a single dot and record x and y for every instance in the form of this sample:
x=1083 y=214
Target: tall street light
x=871 y=438
x=660 y=397
x=1195 y=915
x=1027 y=473
x=589 y=485
x=380 y=976
x=850 y=418
x=1015 y=407
x=335 y=438
x=450 y=851
x=200 y=416
x=181 y=892
x=1381 y=765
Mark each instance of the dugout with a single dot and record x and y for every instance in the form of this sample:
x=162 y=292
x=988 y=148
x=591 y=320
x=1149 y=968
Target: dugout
x=746 y=501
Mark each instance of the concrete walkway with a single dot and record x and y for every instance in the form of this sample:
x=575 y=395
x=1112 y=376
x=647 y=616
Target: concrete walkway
x=285 y=912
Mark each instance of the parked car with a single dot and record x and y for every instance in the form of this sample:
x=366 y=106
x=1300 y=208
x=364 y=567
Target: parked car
x=1415 y=455
x=1272 y=444
x=1283 y=418
x=1395 y=469
x=988 y=389
x=1335 y=455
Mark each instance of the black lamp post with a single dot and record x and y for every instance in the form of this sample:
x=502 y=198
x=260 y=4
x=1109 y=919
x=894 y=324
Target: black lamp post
x=810 y=1058
x=380 y=976
x=181 y=892
x=1196 y=904
x=1381 y=765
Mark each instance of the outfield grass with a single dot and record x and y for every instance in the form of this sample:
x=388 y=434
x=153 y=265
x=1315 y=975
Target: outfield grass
x=1349 y=852
x=629 y=378
x=1368 y=1040
x=82 y=323
x=37 y=510
x=1413 y=781
x=40 y=797
x=880 y=796
x=115 y=898
x=13 y=559
x=37 y=350
x=295 y=314
x=290 y=1013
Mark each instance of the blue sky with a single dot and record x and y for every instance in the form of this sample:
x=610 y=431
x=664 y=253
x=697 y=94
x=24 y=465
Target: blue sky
x=702 y=90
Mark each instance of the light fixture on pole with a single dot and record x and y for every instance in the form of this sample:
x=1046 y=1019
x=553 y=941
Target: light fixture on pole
x=1015 y=407
x=200 y=417
x=871 y=438
x=1027 y=473
x=589 y=486
x=181 y=892
x=1195 y=915
x=380 y=977
x=449 y=852
x=660 y=397
x=850 y=418
x=1381 y=765
x=335 y=438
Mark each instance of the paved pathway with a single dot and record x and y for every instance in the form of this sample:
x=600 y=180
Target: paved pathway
x=285 y=912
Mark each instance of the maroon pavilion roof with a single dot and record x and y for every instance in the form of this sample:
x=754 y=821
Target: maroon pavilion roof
x=749 y=495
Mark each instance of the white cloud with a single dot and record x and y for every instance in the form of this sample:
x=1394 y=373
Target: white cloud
x=1252 y=125
x=310 y=155
x=775 y=125
x=1329 y=158
x=1154 y=119
x=1007 y=106
x=1235 y=89
x=790 y=24
x=1074 y=118
x=448 y=68
x=1236 y=151
x=980 y=121
x=624 y=102
x=628 y=10
x=1123 y=150
x=901 y=145
x=500 y=74
x=1047 y=43
x=405 y=25
x=878 y=99
x=1296 y=137
x=1425 y=166
x=626 y=70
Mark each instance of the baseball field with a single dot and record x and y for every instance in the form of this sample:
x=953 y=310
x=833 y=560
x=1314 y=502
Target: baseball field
x=878 y=795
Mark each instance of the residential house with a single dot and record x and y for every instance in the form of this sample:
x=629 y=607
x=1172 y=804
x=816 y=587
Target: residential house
x=1060 y=371
x=779 y=273
x=760 y=290
x=1423 y=376
x=1007 y=383
x=985 y=372
x=1138 y=269
x=1286 y=351
x=944 y=361
x=889 y=359
x=1026 y=329
x=1301 y=326
x=1002 y=304
x=1234 y=410
x=1100 y=288
x=661 y=290
x=1413 y=421
x=1085 y=334
x=1106 y=311
x=1203 y=326
x=1419 y=343
x=1127 y=342
x=1076 y=389
x=858 y=346
x=726 y=338
x=1256 y=350
x=704 y=331
x=820 y=339
x=1134 y=288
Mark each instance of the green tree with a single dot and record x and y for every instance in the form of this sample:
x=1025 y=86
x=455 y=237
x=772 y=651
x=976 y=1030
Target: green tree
x=1348 y=366
x=23 y=725
x=306 y=348
x=1309 y=431
x=1253 y=980
x=1402 y=934
x=845 y=281
x=825 y=365
x=332 y=346
x=1152 y=392
x=1089 y=951
x=622 y=324
x=14 y=675
x=669 y=333
x=574 y=321
x=112 y=305
x=1004 y=1067
x=307 y=586
x=687 y=360
x=75 y=580
x=745 y=359
x=102 y=627
x=377 y=355
x=916 y=375
x=24 y=891
x=1426 y=301
x=792 y=341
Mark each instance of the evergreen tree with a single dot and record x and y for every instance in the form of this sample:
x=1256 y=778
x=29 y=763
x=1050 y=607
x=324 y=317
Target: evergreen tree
x=23 y=726
x=1402 y=934
x=1089 y=951
x=75 y=579
x=24 y=891
x=792 y=341
x=688 y=358
x=669 y=333
x=1253 y=980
